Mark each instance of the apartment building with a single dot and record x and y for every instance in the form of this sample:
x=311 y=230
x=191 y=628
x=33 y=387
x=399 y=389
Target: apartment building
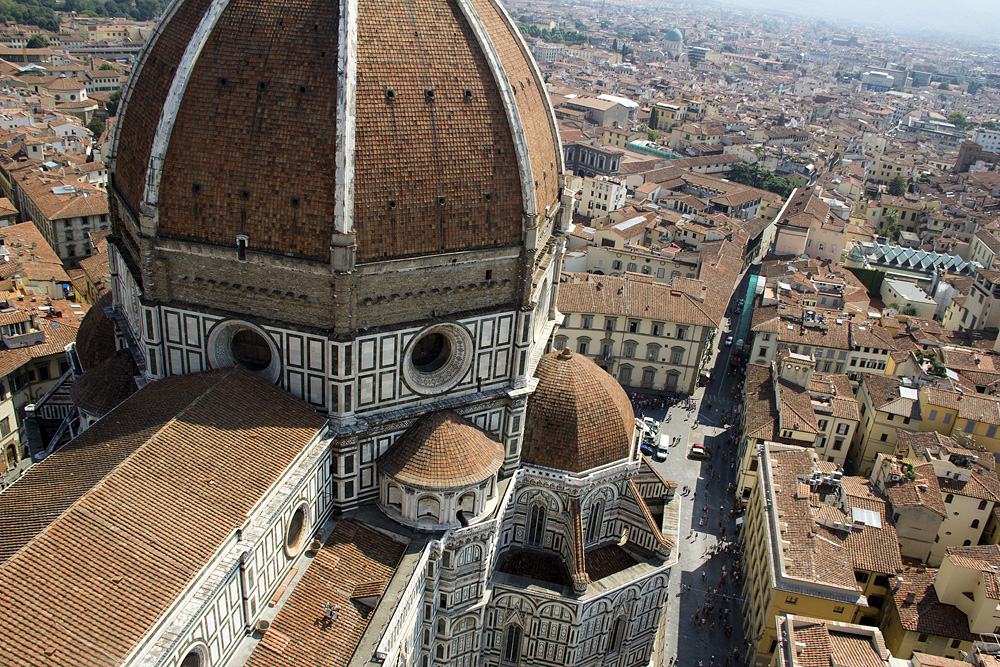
x=886 y=167
x=943 y=611
x=35 y=332
x=789 y=402
x=888 y=403
x=943 y=494
x=646 y=333
x=805 y=642
x=817 y=544
x=916 y=620
x=600 y=195
x=807 y=226
x=64 y=212
x=833 y=339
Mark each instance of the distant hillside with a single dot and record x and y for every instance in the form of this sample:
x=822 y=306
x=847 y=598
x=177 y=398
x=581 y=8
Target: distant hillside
x=42 y=12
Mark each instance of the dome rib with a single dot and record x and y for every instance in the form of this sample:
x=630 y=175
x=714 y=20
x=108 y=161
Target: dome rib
x=443 y=450
x=579 y=417
x=480 y=148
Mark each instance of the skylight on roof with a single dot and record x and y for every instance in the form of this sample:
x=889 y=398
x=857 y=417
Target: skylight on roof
x=867 y=517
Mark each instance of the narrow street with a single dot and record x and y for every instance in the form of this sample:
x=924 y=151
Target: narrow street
x=704 y=619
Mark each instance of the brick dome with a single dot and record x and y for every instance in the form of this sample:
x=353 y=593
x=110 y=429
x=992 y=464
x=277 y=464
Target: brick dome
x=418 y=128
x=95 y=339
x=101 y=389
x=442 y=451
x=579 y=417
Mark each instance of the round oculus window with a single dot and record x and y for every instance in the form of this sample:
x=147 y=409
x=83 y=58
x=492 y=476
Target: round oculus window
x=431 y=352
x=250 y=350
x=236 y=343
x=294 y=537
x=437 y=358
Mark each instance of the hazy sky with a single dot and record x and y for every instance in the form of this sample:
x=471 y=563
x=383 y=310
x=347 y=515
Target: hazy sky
x=976 y=19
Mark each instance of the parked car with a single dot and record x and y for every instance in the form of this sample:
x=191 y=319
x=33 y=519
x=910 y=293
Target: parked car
x=729 y=341
x=646 y=448
x=661 y=450
x=739 y=343
x=651 y=424
x=699 y=452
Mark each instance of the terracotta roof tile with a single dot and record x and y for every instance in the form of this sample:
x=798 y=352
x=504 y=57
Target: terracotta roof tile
x=104 y=387
x=157 y=495
x=921 y=611
x=578 y=418
x=95 y=340
x=355 y=562
x=442 y=450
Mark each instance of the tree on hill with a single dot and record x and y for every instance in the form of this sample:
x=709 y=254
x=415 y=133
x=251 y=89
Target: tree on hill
x=37 y=42
x=944 y=86
x=897 y=186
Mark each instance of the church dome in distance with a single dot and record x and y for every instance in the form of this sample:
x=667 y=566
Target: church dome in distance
x=579 y=417
x=419 y=128
x=674 y=36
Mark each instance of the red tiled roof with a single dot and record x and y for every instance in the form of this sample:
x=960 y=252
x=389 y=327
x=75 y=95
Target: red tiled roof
x=147 y=519
x=442 y=450
x=578 y=418
x=355 y=562
x=920 y=610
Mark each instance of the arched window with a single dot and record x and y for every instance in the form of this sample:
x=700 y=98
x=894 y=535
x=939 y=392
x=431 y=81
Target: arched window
x=625 y=374
x=395 y=498
x=672 y=378
x=595 y=520
x=677 y=355
x=428 y=509
x=536 y=525
x=559 y=343
x=652 y=352
x=467 y=503
x=511 y=653
x=617 y=635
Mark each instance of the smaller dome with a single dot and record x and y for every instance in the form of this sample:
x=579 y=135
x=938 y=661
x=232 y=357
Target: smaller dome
x=674 y=36
x=102 y=389
x=95 y=339
x=579 y=417
x=443 y=450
